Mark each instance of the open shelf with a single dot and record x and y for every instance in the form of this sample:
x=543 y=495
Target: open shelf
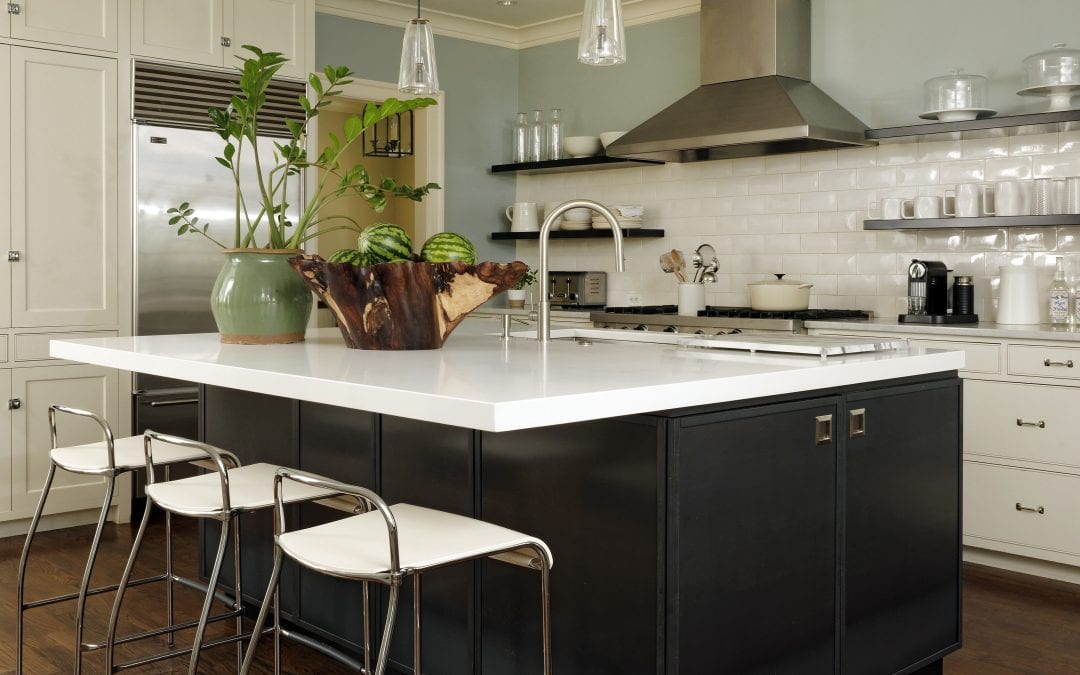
x=988 y=221
x=634 y=232
x=572 y=164
x=971 y=125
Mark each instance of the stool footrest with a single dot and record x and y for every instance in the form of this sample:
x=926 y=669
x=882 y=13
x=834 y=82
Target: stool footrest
x=93 y=591
x=179 y=652
x=319 y=646
x=135 y=637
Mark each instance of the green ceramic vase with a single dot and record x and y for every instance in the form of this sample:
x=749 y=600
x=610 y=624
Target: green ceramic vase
x=258 y=299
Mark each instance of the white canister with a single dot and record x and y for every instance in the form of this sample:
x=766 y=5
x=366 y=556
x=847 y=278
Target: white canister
x=1018 y=295
x=691 y=298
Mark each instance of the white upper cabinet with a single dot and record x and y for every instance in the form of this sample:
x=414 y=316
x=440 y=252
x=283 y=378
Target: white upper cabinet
x=211 y=32
x=5 y=186
x=189 y=31
x=78 y=23
x=63 y=189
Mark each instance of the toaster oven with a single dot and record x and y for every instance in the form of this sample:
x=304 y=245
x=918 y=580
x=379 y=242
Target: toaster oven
x=578 y=289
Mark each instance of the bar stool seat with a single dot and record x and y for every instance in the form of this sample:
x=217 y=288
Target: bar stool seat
x=128 y=452
x=251 y=487
x=358 y=545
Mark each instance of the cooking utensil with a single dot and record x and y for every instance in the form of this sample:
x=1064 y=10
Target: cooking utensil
x=779 y=294
x=680 y=264
x=702 y=253
x=708 y=278
x=695 y=260
x=666 y=263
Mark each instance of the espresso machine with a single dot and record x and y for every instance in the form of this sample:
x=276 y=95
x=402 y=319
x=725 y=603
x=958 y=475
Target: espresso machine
x=928 y=295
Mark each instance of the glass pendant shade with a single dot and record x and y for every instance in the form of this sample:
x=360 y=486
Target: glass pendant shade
x=603 y=42
x=418 y=73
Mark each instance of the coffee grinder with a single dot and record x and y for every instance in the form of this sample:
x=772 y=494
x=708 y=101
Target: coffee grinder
x=928 y=295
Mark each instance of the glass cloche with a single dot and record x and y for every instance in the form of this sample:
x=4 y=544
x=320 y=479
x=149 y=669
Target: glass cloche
x=955 y=97
x=1054 y=73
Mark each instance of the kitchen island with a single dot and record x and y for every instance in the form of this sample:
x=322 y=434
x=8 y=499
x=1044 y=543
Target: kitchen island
x=708 y=511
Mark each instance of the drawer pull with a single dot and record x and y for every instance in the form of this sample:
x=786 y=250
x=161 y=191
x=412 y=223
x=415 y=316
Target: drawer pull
x=1021 y=423
x=1030 y=509
x=1048 y=363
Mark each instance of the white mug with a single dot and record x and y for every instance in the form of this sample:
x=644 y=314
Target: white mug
x=1011 y=199
x=522 y=217
x=891 y=208
x=926 y=206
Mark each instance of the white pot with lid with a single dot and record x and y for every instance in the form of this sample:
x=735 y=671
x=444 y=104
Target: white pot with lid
x=779 y=295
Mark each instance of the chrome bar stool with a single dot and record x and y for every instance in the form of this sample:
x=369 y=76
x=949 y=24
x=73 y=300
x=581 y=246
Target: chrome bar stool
x=111 y=458
x=222 y=495
x=385 y=544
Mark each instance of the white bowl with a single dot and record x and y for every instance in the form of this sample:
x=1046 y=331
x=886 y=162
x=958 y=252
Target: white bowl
x=579 y=215
x=581 y=146
x=609 y=137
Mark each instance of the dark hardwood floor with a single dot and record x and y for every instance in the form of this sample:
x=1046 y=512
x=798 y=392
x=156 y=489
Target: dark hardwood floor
x=1012 y=623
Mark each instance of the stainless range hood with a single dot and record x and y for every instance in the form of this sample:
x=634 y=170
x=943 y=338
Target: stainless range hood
x=756 y=96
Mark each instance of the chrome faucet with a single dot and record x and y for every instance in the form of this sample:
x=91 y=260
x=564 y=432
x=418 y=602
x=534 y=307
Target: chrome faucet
x=543 y=323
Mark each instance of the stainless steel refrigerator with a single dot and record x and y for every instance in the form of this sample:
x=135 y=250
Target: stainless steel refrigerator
x=174 y=152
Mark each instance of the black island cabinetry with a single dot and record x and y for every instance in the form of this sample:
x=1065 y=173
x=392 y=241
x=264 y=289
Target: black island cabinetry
x=810 y=533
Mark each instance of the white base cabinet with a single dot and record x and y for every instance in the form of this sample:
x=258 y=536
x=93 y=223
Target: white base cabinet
x=212 y=32
x=1021 y=447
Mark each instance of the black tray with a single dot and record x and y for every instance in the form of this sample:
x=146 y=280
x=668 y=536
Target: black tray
x=939 y=318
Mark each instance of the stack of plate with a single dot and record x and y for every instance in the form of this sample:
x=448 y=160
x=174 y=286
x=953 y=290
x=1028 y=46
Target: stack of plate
x=628 y=216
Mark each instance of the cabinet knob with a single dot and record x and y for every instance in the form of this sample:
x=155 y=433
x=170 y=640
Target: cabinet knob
x=14 y=256
x=14 y=8
x=1030 y=509
x=226 y=41
x=14 y=404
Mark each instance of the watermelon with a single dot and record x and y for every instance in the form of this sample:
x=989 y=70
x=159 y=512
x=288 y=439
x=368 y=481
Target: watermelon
x=384 y=242
x=346 y=255
x=448 y=247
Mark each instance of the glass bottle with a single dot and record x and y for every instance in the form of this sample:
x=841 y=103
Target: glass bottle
x=521 y=139
x=555 y=135
x=1059 y=294
x=536 y=137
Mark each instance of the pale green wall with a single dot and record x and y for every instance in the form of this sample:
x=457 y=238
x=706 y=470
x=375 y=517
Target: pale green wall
x=481 y=83
x=662 y=67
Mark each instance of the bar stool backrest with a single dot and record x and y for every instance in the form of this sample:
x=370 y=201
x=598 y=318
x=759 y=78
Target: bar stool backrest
x=109 y=446
x=216 y=455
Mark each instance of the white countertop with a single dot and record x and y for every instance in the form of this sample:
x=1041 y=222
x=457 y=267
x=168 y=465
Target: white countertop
x=987 y=329
x=479 y=381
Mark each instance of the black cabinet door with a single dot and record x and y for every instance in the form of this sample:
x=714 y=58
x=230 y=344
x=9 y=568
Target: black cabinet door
x=901 y=584
x=752 y=541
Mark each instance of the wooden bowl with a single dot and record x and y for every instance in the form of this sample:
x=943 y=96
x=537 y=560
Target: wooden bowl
x=403 y=305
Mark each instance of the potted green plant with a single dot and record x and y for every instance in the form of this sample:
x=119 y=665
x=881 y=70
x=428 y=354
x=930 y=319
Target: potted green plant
x=516 y=295
x=257 y=298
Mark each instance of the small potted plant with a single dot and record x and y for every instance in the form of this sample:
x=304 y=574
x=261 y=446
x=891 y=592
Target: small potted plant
x=516 y=294
x=257 y=298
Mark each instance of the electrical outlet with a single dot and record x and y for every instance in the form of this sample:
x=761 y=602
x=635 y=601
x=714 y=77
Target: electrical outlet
x=633 y=300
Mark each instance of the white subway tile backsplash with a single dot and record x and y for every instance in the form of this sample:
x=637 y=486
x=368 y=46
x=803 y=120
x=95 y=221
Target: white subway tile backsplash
x=800 y=182
x=782 y=163
x=766 y=184
x=877 y=177
x=838 y=179
x=802 y=214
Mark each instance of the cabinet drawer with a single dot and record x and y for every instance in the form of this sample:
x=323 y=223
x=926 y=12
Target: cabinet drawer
x=1063 y=362
x=979 y=357
x=1046 y=431
x=992 y=492
x=35 y=346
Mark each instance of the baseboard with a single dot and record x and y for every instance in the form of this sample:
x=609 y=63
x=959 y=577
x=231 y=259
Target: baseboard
x=1023 y=565
x=57 y=521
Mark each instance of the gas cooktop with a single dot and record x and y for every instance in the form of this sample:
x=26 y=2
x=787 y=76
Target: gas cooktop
x=718 y=320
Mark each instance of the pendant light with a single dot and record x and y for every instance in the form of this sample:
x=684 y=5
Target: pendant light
x=603 y=42
x=418 y=73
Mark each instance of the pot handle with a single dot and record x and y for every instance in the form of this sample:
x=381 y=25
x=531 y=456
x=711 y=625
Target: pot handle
x=801 y=286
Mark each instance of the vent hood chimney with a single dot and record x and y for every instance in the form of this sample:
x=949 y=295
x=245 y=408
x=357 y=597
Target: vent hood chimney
x=756 y=96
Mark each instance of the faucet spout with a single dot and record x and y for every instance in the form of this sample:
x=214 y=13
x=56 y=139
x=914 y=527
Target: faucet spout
x=543 y=323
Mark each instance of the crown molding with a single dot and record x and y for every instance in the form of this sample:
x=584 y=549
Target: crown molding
x=391 y=13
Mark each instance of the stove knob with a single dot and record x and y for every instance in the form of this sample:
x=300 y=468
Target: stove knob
x=641 y=326
x=671 y=329
x=734 y=331
x=625 y=327
x=699 y=331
